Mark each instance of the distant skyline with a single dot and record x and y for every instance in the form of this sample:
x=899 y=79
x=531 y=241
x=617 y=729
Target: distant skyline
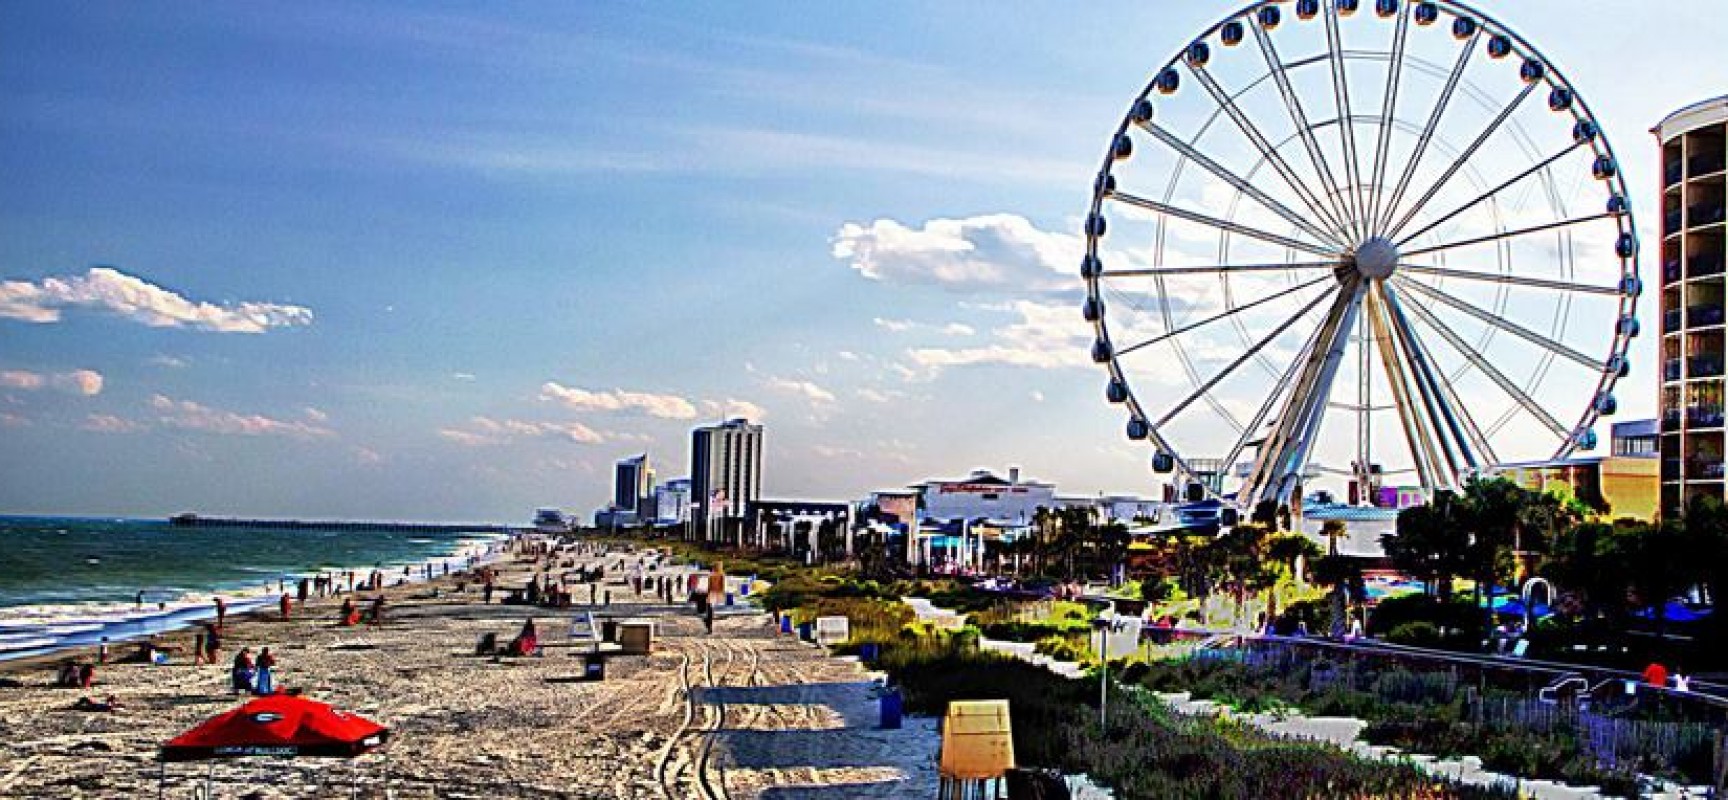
x=381 y=261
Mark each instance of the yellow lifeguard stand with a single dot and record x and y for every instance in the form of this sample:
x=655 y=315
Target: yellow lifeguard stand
x=977 y=748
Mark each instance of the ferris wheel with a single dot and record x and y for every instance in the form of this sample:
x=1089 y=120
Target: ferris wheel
x=1377 y=244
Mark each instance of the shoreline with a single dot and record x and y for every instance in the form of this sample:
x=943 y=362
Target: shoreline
x=129 y=624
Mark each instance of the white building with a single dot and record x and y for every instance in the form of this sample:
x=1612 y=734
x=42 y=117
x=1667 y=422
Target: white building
x=672 y=502
x=983 y=495
x=725 y=474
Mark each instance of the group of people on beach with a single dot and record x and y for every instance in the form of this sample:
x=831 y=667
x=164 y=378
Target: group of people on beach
x=253 y=676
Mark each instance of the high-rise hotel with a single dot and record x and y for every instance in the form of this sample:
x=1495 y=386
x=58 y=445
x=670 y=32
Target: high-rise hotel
x=725 y=474
x=1692 y=163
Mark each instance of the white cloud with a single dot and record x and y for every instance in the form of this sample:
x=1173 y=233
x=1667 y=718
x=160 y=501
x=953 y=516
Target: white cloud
x=905 y=325
x=85 y=382
x=188 y=415
x=462 y=376
x=367 y=457
x=664 y=406
x=847 y=355
x=805 y=389
x=483 y=431
x=168 y=362
x=827 y=451
x=1037 y=396
x=315 y=414
x=995 y=252
x=11 y=420
x=112 y=291
x=1046 y=337
x=881 y=395
x=20 y=379
x=108 y=423
x=731 y=408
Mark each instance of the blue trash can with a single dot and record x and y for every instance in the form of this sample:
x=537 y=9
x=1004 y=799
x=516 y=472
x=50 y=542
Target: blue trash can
x=729 y=599
x=868 y=651
x=891 y=706
x=807 y=631
x=785 y=623
x=744 y=589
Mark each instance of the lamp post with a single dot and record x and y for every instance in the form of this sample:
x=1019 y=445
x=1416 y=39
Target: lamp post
x=1102 y=625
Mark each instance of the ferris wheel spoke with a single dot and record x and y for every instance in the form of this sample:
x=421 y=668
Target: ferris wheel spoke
x=1239 y=361
x=1516 y=280
x=1487 y=367
x=1512 y=234
x=1459 y=162
x=1532 y=170
x=1315 y=205
x=1441 y=408
x=1241 y=184
x=1271 y=400
x=1434 y=116
x=1347 y=127
x=1217 y=269
x=1299 y=118
x=1500 y=322
x=1222 y=315
x=1388 y=105
x=1221 y=224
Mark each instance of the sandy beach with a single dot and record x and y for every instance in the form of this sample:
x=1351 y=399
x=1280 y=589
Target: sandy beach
x=741 y=713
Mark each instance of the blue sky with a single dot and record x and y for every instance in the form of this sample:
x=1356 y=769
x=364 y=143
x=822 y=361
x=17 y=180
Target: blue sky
x=451 y=261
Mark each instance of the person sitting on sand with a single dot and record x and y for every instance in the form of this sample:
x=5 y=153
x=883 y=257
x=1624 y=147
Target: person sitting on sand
x=527 y=642
x=264 y=682
x=68 y=676
x=241 y=677
x=378 y=610
x=346 y=615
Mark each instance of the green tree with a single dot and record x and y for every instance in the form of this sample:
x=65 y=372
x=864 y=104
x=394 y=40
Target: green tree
x=1242 y=563
x=1430 y=545
x=1292 y=550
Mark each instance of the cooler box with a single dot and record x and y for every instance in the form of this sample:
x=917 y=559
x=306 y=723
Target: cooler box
x=831 y=631
x=977 y=740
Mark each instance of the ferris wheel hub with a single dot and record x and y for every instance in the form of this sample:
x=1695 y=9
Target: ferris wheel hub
x=1376 y=258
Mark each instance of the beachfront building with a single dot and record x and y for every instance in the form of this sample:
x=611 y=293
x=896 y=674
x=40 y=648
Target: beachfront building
x=1692 y=145
x=632 y=479
x=1624 y=481
x=810 y=530
x=725 y=474
x=672 y=503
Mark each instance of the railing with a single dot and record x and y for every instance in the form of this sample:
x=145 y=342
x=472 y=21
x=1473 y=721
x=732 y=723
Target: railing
x=1703 y=416
x=1705 y=214
x=1671 y=223
x=1705 y=467
x=1699 y=316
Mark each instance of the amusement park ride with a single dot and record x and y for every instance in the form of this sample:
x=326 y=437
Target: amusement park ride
x=1358 y=242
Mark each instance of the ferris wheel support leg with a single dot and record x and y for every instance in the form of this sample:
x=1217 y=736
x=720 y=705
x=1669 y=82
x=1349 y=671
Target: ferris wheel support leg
x=1416 y=436
x=1284 y=456
x=1454 y=445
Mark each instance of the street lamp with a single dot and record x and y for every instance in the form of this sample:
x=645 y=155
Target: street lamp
x=1102 y=625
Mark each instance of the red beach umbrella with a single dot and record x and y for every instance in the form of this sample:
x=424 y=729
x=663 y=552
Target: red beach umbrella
x=278 y=725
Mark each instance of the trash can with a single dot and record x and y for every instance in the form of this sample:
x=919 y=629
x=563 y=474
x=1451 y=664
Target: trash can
x=890 y=705
x=744 y=589
x=729 y=599
x=785 y=623
x=593 y=667
x=807 y=631
x=869 y=651
x=609 y=630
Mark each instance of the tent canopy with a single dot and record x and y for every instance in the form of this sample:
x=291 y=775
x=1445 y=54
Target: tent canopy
x=278 y=725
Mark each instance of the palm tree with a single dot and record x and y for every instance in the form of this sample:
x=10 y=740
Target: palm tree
x=1294 y=551
x=1333 y=531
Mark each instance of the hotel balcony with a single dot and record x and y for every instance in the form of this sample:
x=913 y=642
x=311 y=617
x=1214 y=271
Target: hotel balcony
x=1706 y=468
x=1701 y=164
x=1671 y=223
x=1703 y=315
x=1672 y=173
x=1708 y=416
x=1671 y=369
x=1700 y=266
x=1671 y=320
x=1671 y=270
x=1704 y=366
x=1701 y=214
x=1671 y=420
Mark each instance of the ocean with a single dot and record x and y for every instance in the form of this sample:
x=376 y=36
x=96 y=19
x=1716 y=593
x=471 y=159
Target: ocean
x=71 y=581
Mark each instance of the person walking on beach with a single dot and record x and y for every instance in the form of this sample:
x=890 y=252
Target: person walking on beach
x=265 y=681
x=221 y=613
x=304 y=591
x=138 y=602
x=198 y=649
x=378 y=610
x=212 y=643
x=286 y=604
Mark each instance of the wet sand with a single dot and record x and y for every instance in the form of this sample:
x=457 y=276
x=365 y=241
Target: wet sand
x=741 y=713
